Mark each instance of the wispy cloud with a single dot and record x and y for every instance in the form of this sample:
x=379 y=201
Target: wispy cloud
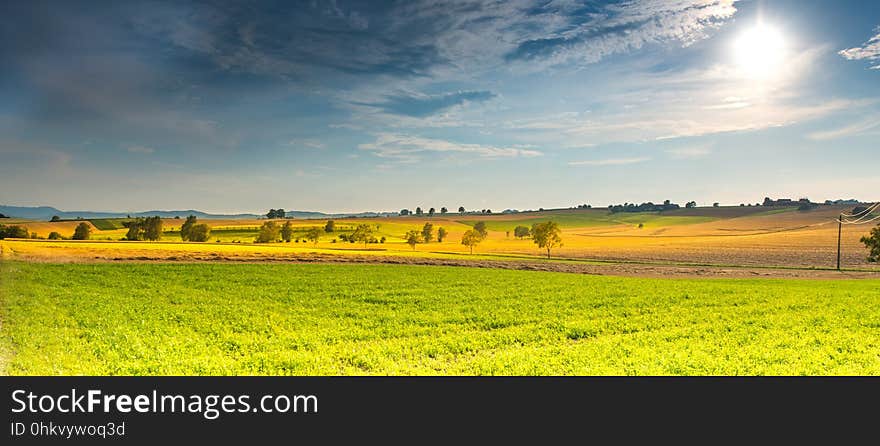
x=141 y=149
x=406 y=148
x=695 y=152
x=610 y=161
x=869 y=50
x=307 y=143
x=849 y=130
x=420 y=105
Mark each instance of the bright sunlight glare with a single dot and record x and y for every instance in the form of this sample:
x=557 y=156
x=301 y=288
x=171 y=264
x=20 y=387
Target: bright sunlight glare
x=760 y=51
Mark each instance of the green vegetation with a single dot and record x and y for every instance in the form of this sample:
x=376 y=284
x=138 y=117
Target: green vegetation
x=82 y=231
x=204 y=319
x=13 y=231
x=546 y=235
x=269 y=232
x=109 y=224
x=592 y=218
x=872 y=242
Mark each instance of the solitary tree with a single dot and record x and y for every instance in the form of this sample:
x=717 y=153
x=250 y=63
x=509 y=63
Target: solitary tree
x=872 y=242
x=199 y=233
x=313 y=235
x=471 y=238
x=441 y=234
x=413 y=238
x=428 y=232
x=186 y=227
x=55 y=218
x=521 y=232
x=330 y=226
x=547 y=235
x=480 y=227
x=287 y=231
x=461 y=209
x=418 y=211
x=431 y=212
x=82 y=232
x=363 y=233
x=54 y=236
x=269 y=232
x=443 y=210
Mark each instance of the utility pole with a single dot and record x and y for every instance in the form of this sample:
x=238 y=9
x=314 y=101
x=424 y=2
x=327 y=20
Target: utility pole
x=839 y=229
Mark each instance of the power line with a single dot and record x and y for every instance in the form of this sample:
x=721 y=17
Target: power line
x=863 y=212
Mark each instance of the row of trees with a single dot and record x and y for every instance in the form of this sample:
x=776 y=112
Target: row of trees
x=276 y=213
x=546 y=235
x=426 y=235
x=431 y=212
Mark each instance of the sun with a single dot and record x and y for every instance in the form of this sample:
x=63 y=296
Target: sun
x=760 y=51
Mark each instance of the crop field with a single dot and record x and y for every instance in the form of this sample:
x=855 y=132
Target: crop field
x=217 y=319
x=724 y=236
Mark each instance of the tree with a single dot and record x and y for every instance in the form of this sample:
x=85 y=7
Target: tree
x=428 y=232
x=276 y=213
x=418 y=211
x=82 y=232
x=441 y=234
x=313 y=235
x=547 y=235
x=715 y=205
x=471 y=238
x=135 y=229
x=443 y=211
x=54 y=236
x=413 y=238
x=691 y=204
x=199 y=233
x=404 y=212
x=186 y=227
x=330 y=226
x=55 y=218
x=286 y=231
x=152 y=228
x=480 y=227
x=431 y=212
x=363 y=233
x=13 y=231
x=872 y=242
x=269 y=232
x=521 y=232
x=461 y=209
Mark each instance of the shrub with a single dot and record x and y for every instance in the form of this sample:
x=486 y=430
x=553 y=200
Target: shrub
x=54 y=236
x=82 y=232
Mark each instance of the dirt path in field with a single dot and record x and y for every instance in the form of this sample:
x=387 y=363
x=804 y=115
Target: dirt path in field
x=605 y=268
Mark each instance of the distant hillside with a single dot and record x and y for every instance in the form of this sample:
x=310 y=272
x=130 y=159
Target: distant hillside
x=46 y=212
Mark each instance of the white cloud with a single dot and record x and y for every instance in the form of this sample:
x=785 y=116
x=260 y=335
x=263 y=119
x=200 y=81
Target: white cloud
x=610 y=162
x=689 y=152
x=849 y=130
x=141 y=149
x=406 y=149
x=870 y=50
x=307 y=143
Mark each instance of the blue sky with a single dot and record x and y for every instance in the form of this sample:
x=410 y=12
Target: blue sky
x=350 y=106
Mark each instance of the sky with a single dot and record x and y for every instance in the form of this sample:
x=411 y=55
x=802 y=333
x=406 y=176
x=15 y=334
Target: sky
x=341 y=106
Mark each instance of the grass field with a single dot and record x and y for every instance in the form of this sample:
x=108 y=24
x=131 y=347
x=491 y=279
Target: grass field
x=207 y=319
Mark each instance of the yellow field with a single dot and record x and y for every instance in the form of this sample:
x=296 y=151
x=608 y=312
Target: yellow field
x=720 y=236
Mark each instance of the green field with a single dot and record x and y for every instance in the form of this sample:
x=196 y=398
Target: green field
x=207 y=319
x=589 y=219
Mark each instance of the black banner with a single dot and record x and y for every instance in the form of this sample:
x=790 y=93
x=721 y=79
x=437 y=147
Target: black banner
x=415 y=410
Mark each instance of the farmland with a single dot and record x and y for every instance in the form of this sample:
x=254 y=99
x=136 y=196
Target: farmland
x=726 y=236
x=220 y=318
